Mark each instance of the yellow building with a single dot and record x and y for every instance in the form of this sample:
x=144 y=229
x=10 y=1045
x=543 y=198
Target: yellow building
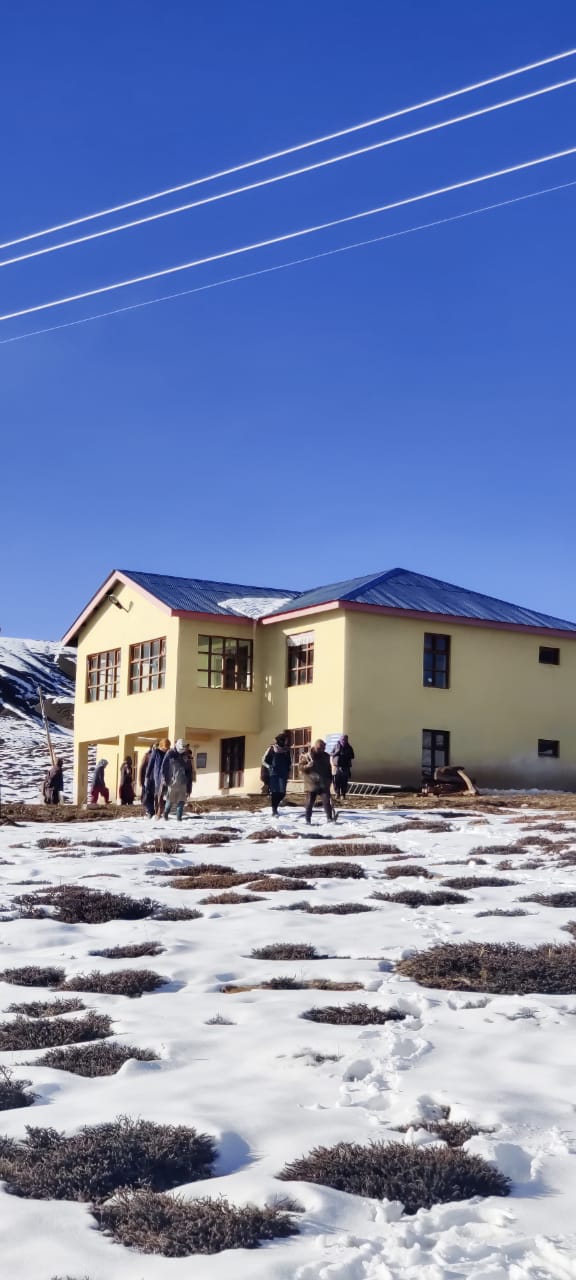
x=419 y=673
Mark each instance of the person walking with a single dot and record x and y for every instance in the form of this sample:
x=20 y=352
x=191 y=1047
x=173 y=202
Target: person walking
x=99 y=787
x=316 y=769
x=54 y=783
x=153 y=801
x=341 y=761
x=126 y=789
x=277 y=760
x=142 y=772
x=176 y=774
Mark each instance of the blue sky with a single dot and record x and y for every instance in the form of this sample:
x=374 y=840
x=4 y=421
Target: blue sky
x=410 y=403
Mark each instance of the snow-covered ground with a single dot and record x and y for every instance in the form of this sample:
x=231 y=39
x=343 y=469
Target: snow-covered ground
x=26 y=666
x=505 y=1062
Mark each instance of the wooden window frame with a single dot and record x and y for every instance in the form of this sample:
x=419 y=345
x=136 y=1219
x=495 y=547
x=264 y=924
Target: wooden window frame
x=106 y=685
x=212 y=662
x=437 y=749
x=549 y=661
x=140 y=666
x=436 y=660
x=299 y=663
x=300 y=741
x=549 y=748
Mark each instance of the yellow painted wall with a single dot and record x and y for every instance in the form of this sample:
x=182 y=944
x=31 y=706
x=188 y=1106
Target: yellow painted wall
x=500 y=701
x=319 y=704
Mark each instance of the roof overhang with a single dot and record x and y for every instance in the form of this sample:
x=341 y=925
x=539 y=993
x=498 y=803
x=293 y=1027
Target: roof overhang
x=420 y=615
x=118 y=576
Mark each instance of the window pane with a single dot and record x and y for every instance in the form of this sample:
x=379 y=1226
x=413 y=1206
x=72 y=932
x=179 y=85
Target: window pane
x=217 y=644
x=203 y=679
x=203 y=644
x=216 y=680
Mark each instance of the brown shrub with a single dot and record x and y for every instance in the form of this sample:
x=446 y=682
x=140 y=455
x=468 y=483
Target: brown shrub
x=407 y=869
x=177 y=1228
x=498 y=968
x=229 y=899
x=47 y=1008
x=123 y=982
x=102 y=1058
x=354 y=1015
x=354 y=849
x=13 y=1092
x=321 y=871
x=130 y=952
x=287 y=951
x=417 y=898
x=275 y=884
x=77 y=904
x=44 y=1033
x=33 y=975
x=477 y=882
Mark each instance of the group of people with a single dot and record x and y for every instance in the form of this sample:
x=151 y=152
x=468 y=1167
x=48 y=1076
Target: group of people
x=320 y=771
x=165 y=778
x=167 y=773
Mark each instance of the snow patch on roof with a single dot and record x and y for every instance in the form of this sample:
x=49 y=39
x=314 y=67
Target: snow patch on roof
x=254 y=606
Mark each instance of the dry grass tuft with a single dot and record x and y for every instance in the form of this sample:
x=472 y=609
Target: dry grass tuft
x=103 y=1058
x=275 y=884
x=418 y=898
x=229 y=899
x=354 y=849
x=123 y=982
x=33 y=975
x=565 y=898
x=407 y=869
x=329 y=908
x=502 y=911
x=477 y=882
x=177 y=1227
x=353 y=1015
x=193 y=869
x=419 y=1177
x=76 y=904
x=53 y=842
x=498 y=968
x=47 y=1008
x=321 y=871
x=287 y=951
x=130 y=952
x=13 y=1092
x=102 y=1158
x=269 y=833
x=177 y=913
x=45 y=1033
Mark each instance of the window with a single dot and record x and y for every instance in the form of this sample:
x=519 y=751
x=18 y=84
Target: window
x=435 y=750
x=436 y=660
x=301 y=658
x=549 y=747
x=103 y=675
x=147 y=666
x=300 y=740
x=224 y=663
x=549 y=656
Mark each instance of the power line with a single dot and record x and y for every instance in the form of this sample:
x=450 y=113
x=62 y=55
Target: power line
x=281 y=177
x=289 y=235
x=282 y=266
x=286 y=151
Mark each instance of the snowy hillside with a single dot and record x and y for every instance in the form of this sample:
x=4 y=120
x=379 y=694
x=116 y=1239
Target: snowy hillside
x=26 y=666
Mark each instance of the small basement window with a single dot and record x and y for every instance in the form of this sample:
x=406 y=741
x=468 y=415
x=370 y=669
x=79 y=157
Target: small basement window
x=549 y=747
x=549 y=656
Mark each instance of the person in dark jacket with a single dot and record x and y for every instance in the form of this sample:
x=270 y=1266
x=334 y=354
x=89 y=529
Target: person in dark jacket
x=316 y=770
x=126 y=789
x=177 y=778
x=341 y=760
x=99 y=787
x=54 y=783
x=142 y=772
x=153 y=799
x=277 y=760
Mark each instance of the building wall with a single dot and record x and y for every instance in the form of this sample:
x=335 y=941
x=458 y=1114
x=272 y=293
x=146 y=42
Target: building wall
x=319 y=705
x=500 y=701
x=116 y=723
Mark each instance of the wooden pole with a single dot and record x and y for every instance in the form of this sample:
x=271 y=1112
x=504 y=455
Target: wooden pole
x=45 y=719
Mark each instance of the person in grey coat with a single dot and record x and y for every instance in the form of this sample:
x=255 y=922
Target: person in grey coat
x=316 y=770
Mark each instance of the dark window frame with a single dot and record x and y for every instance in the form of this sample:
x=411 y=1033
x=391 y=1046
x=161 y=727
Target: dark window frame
x=299 y=663
x=300 y=741
x=103 y=675
x=435 y=750
x=436 y=660
x=553 y=655
x=221 y=662
x=549 y=748
x=145 y=668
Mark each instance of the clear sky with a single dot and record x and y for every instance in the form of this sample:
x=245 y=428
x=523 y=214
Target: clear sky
x=410 y=403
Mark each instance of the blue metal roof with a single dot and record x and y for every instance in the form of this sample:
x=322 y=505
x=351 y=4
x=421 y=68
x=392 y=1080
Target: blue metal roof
x=401 y=589
x=197 y=596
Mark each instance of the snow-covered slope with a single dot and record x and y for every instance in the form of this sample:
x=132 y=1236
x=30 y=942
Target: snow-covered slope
x=26 y=666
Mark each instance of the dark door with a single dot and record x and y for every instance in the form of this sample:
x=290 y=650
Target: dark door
x=232 y=762
x=435 y=751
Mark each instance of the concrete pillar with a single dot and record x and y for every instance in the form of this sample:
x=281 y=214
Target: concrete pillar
x=80 y=787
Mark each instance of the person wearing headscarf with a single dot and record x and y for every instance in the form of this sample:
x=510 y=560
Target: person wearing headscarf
x=341 y=761
x=126 y=789
x=99 y=787
x=316 y=770
x=277 y=760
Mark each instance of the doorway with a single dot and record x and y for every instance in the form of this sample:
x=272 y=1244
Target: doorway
x=232 y=752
